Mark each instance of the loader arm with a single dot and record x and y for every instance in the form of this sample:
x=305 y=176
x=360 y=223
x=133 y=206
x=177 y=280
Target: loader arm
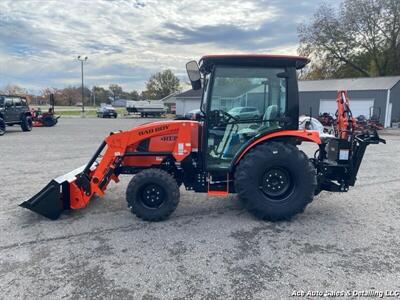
x=75 y=189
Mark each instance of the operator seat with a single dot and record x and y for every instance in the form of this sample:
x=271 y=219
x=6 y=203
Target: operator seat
x=270 y=114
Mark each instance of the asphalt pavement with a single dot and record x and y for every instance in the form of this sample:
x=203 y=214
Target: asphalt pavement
x=210 y=248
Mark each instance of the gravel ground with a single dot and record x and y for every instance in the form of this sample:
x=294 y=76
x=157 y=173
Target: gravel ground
x=210 y=248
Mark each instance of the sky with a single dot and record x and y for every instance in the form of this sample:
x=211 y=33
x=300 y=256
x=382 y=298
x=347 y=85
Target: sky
x=128 y=40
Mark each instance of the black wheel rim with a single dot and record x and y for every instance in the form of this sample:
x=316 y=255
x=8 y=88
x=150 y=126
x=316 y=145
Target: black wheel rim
x=152 y=196
x=277 y=183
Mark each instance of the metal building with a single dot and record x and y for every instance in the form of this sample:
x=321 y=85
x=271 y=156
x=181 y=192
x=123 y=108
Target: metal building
x=187 y=101
x=379 y=96
x=372 y=95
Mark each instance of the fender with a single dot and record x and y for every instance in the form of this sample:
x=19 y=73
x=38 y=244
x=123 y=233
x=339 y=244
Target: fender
x=302 y=135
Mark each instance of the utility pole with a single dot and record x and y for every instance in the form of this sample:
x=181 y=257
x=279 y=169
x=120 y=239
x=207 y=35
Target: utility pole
x=82 y=60
x=94 y=97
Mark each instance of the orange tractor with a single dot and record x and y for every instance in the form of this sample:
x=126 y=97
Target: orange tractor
x=244 y=141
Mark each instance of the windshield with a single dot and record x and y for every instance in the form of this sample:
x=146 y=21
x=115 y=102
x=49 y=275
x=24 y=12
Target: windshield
x=248 y=101
x=261 y=89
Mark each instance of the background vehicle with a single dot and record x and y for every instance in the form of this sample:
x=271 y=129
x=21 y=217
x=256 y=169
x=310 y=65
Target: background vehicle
x=45 y=119
x=216 y=155
x=106 y=111
x=245 y=112
x=14 y=110
x=2 y=127
x=192 y=114
x=146 y=108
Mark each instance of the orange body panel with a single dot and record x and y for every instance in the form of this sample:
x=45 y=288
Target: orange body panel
x=184 y=139
x=303 y=135
x=178 y=137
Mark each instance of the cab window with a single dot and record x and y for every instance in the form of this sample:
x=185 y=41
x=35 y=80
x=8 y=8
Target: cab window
x=17 y=102
x=8 y=102
x=245 y=102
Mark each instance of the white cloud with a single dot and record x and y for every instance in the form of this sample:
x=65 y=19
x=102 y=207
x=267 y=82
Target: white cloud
x=128 y=40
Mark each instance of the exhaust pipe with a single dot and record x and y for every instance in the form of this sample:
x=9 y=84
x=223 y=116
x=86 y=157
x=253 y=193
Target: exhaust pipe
x=53 y=199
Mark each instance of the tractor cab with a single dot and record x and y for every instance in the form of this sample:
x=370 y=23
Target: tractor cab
x=244 y=98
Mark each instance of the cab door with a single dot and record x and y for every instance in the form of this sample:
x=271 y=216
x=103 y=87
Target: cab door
x=244 y=102
x=17 y=108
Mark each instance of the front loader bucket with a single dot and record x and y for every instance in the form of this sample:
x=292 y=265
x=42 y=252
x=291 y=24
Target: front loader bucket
x=53 y=199
x=48 y=202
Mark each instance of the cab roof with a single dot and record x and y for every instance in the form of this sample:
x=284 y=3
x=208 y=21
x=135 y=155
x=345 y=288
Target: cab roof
x=261 y=60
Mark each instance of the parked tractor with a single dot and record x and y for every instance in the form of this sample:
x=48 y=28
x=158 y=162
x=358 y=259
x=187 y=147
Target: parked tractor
x=256 y=157
x=45 y=119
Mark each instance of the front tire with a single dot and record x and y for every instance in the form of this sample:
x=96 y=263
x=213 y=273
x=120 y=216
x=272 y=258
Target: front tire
x=275 y=181
x=26 y=123
x=152 y=195
x=2 y=127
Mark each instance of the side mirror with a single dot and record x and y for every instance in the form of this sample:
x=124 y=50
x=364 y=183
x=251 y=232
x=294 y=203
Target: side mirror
x=194 y=75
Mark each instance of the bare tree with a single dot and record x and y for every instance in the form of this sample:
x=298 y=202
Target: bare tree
x=361 y=38
x=14 y=89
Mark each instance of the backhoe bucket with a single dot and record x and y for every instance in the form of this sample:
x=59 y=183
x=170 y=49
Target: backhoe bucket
x=53 y=199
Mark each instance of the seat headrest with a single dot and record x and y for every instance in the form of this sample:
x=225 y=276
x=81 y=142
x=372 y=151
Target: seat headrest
x=271 y=112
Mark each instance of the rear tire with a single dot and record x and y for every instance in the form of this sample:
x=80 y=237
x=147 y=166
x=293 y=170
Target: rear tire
x=152 y=195
x=26 y=123
x=275 y=181
x=2 y=127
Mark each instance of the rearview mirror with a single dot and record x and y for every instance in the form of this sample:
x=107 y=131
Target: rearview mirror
x=194 y=75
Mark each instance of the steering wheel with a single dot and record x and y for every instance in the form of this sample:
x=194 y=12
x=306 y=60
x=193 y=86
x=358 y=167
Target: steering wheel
x=228 y=116
x=221 y=120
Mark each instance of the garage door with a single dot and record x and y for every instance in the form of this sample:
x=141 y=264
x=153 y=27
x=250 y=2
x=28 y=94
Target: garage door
x=357 y=106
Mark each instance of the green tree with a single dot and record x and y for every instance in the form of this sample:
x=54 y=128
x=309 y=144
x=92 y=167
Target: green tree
x=101 y=95
x=361 y=38
x=161 y=85
x=116 y=91
x=134 y=95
